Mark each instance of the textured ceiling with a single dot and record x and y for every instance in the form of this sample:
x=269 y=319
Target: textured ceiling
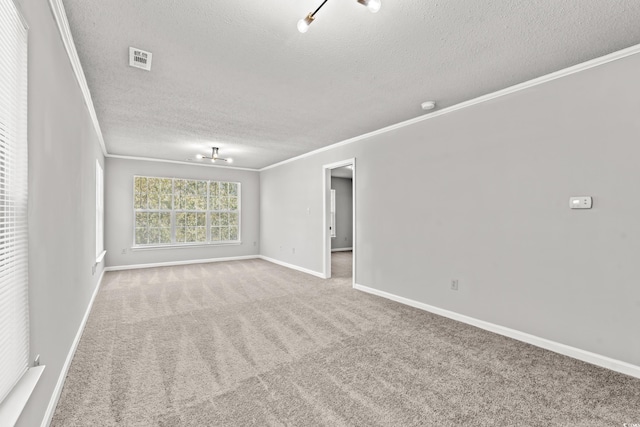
x=238 y=75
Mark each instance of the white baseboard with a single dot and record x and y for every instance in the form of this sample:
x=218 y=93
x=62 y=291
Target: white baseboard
x=67 y=363
x=341 y=249
x=576 y=353
x=172 y=263
x=293 y=267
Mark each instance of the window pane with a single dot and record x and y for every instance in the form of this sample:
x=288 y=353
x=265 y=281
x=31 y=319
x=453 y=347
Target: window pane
x=223 y=189
x=166 y=186
x=233 y=233
x=191 y=219
x=233 y=203
x=190 y=235
x=153 y=201
x=141 y=236
x=165 y=219
x=181 y=219
x=180 y=234
x=165 y=201
x=142 y=219
x=215 y=204
x=154 y=219
x=201 y=220
x=215 y=219
x=233 y=218
x=213 y=189
x=165 y=235
x=179 y=193
x=201 y=234
x=215 y=234
x=154 y=235
x=224 y=218
x=224 y=233
x=223 y=203
x=233 y=189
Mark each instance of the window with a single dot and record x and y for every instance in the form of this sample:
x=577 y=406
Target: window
x=333 y=213
x=99 y=210
x=172 y=211
x=14 y=313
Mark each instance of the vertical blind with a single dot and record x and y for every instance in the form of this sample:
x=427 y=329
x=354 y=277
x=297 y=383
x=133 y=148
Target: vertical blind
x=14 y=314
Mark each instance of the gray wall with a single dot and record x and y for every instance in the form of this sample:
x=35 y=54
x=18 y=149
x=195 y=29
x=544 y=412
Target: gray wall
x=63 y=149
x=481 y=195
x=119 y=212
x=344 y=212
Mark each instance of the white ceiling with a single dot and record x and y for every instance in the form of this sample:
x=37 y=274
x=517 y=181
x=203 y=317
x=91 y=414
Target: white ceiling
x=238 y=75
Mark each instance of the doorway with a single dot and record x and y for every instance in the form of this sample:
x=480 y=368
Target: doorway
x=339 y=214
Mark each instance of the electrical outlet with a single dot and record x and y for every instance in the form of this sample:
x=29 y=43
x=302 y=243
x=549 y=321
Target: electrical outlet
x=345 y=239
x=293 y=250
x=36 y=361
x=93 y=269
x=454 y=285
x=255 y=243
x=124 y=251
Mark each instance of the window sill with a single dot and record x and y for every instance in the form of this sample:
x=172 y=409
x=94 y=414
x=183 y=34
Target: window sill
x=12 y=406
x=195 y=245
x=100 y=257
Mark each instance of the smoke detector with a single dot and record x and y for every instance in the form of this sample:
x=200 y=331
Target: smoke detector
x=428 y=105
x=139 y=58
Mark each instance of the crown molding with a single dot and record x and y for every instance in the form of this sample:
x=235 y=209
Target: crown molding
x=57 y=8
x=633 y=50
x=150 y=159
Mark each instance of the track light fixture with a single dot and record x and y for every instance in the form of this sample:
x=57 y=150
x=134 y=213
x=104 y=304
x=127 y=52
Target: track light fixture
x=214 y=156
x=303 y=24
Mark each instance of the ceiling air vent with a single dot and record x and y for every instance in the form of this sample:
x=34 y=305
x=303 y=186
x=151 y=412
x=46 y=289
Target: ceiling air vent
x=139 y=58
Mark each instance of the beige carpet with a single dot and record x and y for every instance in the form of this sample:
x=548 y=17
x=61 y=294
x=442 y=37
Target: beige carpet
x=252 y=343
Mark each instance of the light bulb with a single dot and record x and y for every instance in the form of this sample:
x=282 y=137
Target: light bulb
x=303 y=26
x=229 y=160
x=374 y=5
x=199 y=156
x=213 y=160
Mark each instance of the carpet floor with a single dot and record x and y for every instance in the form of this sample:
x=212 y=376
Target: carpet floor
x=251 y=343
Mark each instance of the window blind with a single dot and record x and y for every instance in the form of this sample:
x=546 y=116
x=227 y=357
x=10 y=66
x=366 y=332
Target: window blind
x=14 y=315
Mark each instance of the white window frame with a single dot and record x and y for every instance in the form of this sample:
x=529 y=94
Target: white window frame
x=173 y=212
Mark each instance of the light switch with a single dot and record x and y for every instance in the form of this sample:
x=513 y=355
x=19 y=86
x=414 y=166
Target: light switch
x=580 y=202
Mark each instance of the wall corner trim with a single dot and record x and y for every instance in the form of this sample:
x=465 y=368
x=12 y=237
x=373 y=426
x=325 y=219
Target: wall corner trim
x=57 y=391
x=293 y=266
x=57 y=8
x=174 y=263
x=556 y=347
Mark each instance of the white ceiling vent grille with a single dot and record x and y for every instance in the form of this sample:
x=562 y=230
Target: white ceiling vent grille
x=139 y=58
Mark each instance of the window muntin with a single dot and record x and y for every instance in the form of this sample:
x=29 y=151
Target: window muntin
x=173 y=211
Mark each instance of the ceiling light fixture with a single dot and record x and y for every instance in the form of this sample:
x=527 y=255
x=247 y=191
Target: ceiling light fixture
x=303 y=24
x=214 y=156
